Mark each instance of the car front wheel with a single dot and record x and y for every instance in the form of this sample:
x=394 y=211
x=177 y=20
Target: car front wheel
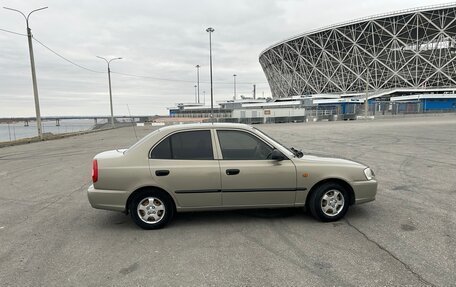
x=151 y=209
x=329 y=202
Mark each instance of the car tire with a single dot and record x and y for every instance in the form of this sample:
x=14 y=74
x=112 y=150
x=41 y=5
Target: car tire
x=151 y=209
x=329 y=202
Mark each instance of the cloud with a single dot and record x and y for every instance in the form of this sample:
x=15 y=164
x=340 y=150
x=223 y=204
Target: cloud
x=161 y=39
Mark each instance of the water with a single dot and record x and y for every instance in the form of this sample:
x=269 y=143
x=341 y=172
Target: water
x=15 y=131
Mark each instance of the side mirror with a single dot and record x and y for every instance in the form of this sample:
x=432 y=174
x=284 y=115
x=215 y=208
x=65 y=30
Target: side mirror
x=277 y=155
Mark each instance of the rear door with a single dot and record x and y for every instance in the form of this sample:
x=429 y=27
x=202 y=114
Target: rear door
x=249 y=177
x=183 y=163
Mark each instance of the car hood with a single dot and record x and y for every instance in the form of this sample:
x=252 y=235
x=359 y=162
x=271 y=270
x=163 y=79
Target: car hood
x=329 y=160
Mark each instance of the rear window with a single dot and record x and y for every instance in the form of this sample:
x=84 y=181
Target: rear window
x=192 y=145
x=138 y=143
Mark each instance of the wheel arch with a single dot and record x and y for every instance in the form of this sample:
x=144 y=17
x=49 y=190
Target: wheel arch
x=145 y=188
x=340 y=181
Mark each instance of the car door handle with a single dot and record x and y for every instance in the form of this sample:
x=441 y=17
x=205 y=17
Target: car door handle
x=163 y=172
x=232 y=171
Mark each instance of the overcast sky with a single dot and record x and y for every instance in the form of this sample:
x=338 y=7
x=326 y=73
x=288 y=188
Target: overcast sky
x=157 y=39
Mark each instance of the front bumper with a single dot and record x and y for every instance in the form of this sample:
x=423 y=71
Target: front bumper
x=107 y=199
x=365 y=191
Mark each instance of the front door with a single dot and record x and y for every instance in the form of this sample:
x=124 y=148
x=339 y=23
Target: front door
x=183 y=163
x=248 y=177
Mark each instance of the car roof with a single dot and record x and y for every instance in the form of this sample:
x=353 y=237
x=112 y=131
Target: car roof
x=205 y=125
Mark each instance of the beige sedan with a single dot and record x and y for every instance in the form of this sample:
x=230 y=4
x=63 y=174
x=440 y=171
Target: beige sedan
x=222 y=166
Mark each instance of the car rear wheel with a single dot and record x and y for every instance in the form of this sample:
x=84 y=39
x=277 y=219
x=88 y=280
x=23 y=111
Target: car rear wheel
x=329 y=202
x=151 y=209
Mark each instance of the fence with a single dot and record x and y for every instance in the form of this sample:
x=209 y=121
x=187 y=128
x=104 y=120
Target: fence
x=400 y=108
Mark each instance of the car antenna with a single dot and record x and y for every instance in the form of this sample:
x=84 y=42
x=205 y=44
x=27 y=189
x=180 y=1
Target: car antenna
x=132 y=122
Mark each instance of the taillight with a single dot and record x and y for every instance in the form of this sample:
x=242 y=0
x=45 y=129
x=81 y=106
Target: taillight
x=94 y=171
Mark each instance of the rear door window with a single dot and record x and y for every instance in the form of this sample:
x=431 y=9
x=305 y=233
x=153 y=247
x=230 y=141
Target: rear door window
x=191 y=145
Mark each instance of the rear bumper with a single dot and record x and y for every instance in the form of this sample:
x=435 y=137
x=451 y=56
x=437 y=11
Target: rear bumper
x=365 y=191
x=107 y=199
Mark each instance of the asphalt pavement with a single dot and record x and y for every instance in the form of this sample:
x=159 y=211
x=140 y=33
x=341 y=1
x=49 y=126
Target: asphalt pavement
x=50 y=235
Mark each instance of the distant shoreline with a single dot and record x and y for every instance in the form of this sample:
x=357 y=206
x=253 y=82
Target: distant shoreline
x=52 y=136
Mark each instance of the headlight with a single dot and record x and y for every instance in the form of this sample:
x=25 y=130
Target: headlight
x=369 y=173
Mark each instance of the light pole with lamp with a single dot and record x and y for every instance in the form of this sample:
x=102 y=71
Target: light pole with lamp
x=110 y=91
x=32 y=64
x=198 y=80
x=210 y=31
x=196 y=99
x=234 y=79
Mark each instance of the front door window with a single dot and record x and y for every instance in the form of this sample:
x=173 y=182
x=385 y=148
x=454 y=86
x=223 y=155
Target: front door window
x=237 y=145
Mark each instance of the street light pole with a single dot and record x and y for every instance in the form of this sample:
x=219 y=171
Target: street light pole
x=366 y=105
x=196 y=99
x=198 y=81
x=110 y=90
x=210 y=30
x=234 y=77
x=32 y=64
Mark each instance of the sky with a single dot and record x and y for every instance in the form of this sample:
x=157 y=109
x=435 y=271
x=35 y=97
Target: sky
x=160 y=43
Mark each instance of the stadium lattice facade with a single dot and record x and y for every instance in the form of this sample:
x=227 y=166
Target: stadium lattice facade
x=413 y=49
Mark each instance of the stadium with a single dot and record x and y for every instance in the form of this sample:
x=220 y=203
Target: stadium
x=399 y=63
x=404 y=57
